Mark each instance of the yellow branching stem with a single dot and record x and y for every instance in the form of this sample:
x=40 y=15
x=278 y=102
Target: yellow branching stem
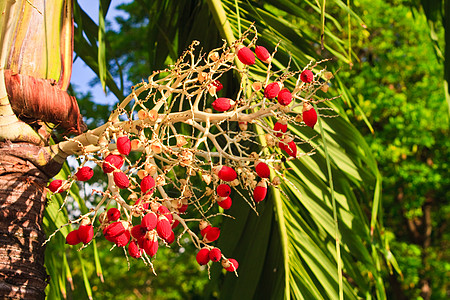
x=183 y=144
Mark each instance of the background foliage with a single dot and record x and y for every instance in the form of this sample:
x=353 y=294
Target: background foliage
x=398 y=85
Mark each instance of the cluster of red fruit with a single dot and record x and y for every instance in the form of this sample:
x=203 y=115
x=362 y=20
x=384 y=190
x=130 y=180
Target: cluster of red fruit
x=271 y=91
x=153 y=216
x=112 y=163
x=214 y=254
x=158 y=223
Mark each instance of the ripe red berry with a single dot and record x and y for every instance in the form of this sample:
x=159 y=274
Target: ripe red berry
x=150 y=245
x=222 y=104
x=149 y=221
x=272 y=90
x=86 y=233
x=262 y=169
x=171 y=238
x=289 y=147
x=84 y=174
x=163 y=227
x=309 y=115
x=175 y=224
x=223 y=190
x=211 y=235
x=307 y=76
x=55 y=186
x=233 y=265
x=284 y=97
x=227 y=174
x=183 y=208
x=205 y=230
x=115 y=229
x=215 y=254
x=218 y=85
x=260 y=191
x=139 y=231
x=121 y=180
x=164 y=211
x=147 y=184
x=202 y=256
x=280 y=126
x=123 y=239
x=143 y=205
x=225 y=202
x=123 y=145
x=73 y=238
x=246 y=56
x=262 y=53
x=113 y=214
x=112 y=162
x=133 y=250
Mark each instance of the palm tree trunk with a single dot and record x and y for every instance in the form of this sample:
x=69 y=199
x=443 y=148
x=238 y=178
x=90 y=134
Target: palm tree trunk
x=22 y=202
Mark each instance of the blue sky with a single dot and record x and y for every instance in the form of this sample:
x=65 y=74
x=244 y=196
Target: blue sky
x=82 y=74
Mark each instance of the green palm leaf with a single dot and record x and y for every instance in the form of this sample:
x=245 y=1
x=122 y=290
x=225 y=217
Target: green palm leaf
x=304 y=209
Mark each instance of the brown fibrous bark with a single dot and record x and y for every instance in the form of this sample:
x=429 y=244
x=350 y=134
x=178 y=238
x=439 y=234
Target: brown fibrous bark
x=22 y=202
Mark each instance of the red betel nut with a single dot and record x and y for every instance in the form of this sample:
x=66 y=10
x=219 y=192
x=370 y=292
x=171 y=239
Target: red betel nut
x=215 y=254
x=260 y=191
x=147 y=184
x=280 y=126
x=73 y=238
x=291 y=149
x=112 y=162
x=223 y=190
x=175 y=224
x=86 y=233
x=225 y=202
x=227 y=174
x=163 y=227
x=113 y=214
x=262 y=53
x=115 y=229
x=121 y=180
x=218 y=85
x=84 y=174
x=123 y=145
x=262 y=169
x=138 y=232
x=307 y=76
x=133 y=250
x=233 y=265
x=204 y=230
x=202 y=256
x=284 y=97
x=164 y=211
x=149 y=221
x=171 y=238
x=246 y=56
x=211 y=234
x=140 y=202
x=309 y=115
x=183 y=208
x=55 y=185
x=123 y=239
x=150 y=244
x=272 y=90
x=223 y=104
